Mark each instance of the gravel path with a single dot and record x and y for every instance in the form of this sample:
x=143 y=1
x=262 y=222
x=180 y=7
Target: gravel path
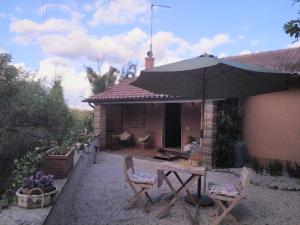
x=103 y=195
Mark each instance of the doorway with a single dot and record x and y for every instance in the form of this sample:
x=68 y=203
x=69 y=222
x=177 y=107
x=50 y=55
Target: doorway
x=173 y=125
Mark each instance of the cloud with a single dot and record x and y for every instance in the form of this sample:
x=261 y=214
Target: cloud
x=294 y=45
x=131 y=45
x=254 y=42
x=88 y=8
x=20 y=65
x=241 y=37
x=223 y=54
x=118 y=11
x=52 y=25
x=117 y=48
x=245 y=52
x=75 y=85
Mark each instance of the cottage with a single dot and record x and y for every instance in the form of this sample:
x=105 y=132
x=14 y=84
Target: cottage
x=271 y=121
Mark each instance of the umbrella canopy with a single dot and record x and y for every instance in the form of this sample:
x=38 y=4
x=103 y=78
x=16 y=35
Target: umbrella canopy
x=207 y=77
x=211 y=78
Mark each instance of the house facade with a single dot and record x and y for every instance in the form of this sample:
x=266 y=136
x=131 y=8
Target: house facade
x=271 y=121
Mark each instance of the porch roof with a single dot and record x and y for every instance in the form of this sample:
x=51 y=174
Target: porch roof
x=124 y=92
x=285 y=60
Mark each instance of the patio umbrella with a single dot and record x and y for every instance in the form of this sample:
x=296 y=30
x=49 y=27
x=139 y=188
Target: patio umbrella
x=207 y=77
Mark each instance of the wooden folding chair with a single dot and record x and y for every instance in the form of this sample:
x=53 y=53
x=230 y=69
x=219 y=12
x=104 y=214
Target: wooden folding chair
x=139 y=182
x=227 y=196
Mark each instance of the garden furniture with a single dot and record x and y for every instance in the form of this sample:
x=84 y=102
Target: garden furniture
x=167 y=168
x=145 y=140
x=139 y=182
x=126 y=137
x=227 y=196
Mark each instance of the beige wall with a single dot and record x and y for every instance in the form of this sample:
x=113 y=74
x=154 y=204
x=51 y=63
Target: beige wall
x=272 y=125
x=152 y=117
x=191 y=117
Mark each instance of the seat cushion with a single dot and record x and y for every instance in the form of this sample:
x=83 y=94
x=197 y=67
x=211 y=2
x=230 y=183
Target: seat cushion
x=143 y=178
x=229 y=190
x=143 y=139
x=124 y=136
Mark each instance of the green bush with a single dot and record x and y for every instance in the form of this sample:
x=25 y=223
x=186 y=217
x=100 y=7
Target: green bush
x=229 y=132
x=29 y=112
x=274 y=168
x=257 y=167
x=293 y=169
x=26 y=166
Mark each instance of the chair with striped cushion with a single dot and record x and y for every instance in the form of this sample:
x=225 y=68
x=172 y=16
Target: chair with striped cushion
x=139 y=182
x=227 y=196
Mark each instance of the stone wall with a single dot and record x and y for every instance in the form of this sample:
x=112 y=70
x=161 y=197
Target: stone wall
x=100 y=124
x=210 y=130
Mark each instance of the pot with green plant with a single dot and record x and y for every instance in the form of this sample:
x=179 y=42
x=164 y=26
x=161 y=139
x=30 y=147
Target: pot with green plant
x=58 y=161
x=37 y=191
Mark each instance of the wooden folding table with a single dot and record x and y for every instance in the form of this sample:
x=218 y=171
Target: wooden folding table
x=164 y=169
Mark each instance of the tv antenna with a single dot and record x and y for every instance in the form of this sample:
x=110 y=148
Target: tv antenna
x=151 y=25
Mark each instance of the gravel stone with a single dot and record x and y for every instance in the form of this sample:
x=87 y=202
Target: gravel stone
x=103 y=195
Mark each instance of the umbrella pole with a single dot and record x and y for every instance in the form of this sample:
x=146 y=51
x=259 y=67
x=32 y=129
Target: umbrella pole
x=203 y=200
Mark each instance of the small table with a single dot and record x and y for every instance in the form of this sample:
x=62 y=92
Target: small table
x=164 y=169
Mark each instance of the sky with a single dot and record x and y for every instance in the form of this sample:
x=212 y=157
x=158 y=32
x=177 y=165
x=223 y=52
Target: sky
x=59 y=38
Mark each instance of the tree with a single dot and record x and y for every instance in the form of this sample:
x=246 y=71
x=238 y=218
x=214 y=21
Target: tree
x=100 y=82
x=292 y=27
x=128 y=70
x=60 y=119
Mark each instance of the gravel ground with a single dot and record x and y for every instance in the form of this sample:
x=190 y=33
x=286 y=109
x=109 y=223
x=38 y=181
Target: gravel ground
x=103 y=195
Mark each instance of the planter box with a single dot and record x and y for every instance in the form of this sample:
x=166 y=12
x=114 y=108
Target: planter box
x=39 y=199
x=58 y=165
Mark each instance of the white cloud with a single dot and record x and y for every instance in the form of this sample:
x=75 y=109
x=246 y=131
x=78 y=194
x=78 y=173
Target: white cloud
x=75 y=85
x=294 y=45
x=245 y=52
x=52 y=25
x=222 y=54
x=119 y=11
x=118 y=48
x=241 y=37
x=128 y=46
x=88 y=8
x=20 y=65
x=254 y=42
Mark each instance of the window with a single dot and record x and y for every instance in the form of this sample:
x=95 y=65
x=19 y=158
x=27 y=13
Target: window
x=134 y=116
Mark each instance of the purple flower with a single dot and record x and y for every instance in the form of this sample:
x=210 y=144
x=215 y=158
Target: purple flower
x=39 y=180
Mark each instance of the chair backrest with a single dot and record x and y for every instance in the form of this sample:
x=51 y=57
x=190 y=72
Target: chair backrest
x=127 y=165
x=245 y=179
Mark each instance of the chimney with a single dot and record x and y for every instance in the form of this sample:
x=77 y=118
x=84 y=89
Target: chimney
x=149 y=60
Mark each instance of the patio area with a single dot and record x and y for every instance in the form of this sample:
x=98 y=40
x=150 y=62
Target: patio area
x=103 y=196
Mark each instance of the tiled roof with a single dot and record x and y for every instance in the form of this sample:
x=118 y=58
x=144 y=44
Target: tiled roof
x=286 y=60
x=126 y=92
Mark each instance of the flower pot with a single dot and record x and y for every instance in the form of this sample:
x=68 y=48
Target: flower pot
x=58 y=165
x=39 y=199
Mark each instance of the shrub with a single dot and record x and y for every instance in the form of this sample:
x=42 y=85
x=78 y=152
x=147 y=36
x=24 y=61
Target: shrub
x=26 y=166
x=274 y=168
x=293 y=169
x=257 y=167
x=229 y=131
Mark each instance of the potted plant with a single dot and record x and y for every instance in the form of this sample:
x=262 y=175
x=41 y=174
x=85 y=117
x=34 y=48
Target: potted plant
x=37 y=191
x=58 y=161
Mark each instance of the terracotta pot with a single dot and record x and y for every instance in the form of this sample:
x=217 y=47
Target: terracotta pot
x=58 y=165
